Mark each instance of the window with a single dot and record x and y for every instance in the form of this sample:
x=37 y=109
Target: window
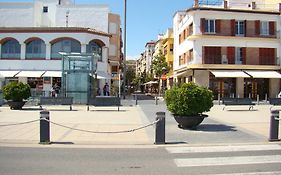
x=240 y=28
x=210 y=26
x=66 y=45
x=94 y=47
x=45 y=9
x=11 y=49
x=35 y=49
x=238 y=55
x=264 y=28
x=171 y=48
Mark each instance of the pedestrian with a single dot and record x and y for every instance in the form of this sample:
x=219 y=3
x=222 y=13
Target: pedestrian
x=98 y=92
x=106 y=90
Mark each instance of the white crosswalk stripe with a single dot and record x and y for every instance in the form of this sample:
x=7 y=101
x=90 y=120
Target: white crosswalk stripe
x=240 y=160
x=223 y=148
x=246 y=154
x=254 y=173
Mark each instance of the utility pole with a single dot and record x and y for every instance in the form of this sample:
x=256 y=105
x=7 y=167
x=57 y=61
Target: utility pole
x=125 y=49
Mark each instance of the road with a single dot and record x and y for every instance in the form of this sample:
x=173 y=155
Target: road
x=180 y=160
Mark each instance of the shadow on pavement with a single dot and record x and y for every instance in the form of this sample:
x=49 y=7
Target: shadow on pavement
x=211 y=128
x=216 y=128
x=62 y=143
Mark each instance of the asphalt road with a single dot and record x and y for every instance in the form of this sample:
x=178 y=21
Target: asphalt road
x=139 y=161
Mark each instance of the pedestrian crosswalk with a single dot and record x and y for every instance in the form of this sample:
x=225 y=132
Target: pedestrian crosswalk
x=228 y=156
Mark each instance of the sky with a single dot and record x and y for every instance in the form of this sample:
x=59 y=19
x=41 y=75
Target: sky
x=145 y=19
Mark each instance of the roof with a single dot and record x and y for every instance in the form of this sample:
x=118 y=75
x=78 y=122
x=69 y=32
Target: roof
x=52 y=30
x=229 y=10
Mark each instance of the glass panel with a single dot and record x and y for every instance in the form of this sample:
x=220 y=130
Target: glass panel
x=11 y=49
x=65 y=46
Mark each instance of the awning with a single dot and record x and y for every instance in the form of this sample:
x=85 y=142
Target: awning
x=229 y=73
x=103 y=75
x=264 y=74
x=30 y=74
x=8 y=73
x=52 y=74
x=151 y=82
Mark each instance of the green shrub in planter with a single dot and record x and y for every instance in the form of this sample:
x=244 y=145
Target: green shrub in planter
x=16 y=91
x=188 y=99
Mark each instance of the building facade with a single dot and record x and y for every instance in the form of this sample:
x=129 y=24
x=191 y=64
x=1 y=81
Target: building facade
x=33 y=34
x=233 y=50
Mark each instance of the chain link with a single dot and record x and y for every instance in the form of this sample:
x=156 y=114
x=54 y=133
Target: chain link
x=82 y=130
x=22 y=123
x=103 y=132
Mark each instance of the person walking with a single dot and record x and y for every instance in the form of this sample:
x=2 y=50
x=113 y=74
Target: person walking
x=106 y=90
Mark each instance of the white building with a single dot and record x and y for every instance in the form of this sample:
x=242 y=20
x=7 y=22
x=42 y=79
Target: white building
x=32 y=34
x=233 y=48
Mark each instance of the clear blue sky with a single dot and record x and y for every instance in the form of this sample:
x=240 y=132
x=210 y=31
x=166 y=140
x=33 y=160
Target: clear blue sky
x=145 y=18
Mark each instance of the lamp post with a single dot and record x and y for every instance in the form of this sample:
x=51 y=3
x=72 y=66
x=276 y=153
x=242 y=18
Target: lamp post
x=125 y=49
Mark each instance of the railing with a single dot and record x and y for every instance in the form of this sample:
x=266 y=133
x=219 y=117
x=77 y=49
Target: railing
x=10 y=55
x=35 y=55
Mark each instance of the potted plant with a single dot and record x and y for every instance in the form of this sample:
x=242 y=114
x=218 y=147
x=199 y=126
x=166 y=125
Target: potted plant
x=15 y=93
x=187 y=104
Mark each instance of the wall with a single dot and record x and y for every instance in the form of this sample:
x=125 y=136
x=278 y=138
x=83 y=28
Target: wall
x=92 y=16
x=201 y=77
x=16 y=14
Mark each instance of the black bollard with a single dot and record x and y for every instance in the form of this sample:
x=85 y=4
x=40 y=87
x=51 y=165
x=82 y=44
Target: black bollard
x=274 y=126
x=160 y=128
x=136 y=98
x=44 y=127
x=156 y=100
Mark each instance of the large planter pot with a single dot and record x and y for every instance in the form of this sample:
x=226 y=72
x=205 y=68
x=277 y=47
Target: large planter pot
x=16 y=105
x=189 y=122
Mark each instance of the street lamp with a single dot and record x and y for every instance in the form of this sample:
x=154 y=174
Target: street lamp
x=124 y=57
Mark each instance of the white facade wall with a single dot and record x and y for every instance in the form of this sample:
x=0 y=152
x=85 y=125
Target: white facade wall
x=16 y=14
x=197 y=41
x=83 y=38
x=83 y=16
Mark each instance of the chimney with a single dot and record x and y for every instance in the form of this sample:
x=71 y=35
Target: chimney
x=196 y=3
x=225 y=4
x=253 y=5
x=280 y=7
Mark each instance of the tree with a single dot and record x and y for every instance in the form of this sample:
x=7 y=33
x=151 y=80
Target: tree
x=159 y=66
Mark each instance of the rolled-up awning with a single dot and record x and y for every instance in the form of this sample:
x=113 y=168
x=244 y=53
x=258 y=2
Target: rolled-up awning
x=52 y=74
x=30 y=74
x=8 y=73
x=229 y=73
x=102 y=75
x=264 y=74
x=151 y=82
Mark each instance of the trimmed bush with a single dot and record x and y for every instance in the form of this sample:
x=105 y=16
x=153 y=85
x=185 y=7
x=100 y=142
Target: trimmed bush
x=16 y=91
x=188 y=99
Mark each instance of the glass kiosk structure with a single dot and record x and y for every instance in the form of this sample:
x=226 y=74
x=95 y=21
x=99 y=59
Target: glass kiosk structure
x=79 y=78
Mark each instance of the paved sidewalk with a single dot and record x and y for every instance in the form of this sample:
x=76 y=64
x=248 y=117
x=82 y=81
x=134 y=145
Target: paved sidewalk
x=97 y=119
x=234 y=125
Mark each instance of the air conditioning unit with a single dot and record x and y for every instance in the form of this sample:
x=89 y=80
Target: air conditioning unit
x=224 y=60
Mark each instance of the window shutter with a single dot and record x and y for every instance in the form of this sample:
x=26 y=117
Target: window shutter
x=245 y=27
x=218 y=26
x=202 y=25
x=257 y=27
x=231 y=55
x=271 y=28
x=232 y=24
x=244 y=55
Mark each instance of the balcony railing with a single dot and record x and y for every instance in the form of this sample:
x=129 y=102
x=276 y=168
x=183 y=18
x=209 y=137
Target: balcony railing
x=10 y=55
x=35 y=56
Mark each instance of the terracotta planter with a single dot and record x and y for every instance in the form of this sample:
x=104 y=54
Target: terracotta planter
x=189 y=122
x=15 y=105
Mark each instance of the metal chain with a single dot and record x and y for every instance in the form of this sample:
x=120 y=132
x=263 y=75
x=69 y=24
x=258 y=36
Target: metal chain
x=22 y=123
x=103 y=132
